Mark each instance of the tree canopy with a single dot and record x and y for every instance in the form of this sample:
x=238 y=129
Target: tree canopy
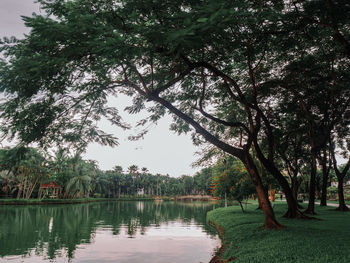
x=232 y=72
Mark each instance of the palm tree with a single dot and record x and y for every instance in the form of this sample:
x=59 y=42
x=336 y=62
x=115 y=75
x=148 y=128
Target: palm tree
x=80 y=183
x=61 y=169
x=101 y=184
x=118 y=169
x=132 y=169
x=7 y=182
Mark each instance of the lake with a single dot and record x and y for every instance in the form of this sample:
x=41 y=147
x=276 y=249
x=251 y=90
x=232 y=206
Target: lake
x=125 y=231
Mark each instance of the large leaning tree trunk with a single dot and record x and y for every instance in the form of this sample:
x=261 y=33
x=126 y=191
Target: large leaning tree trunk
x=243 y=155
x=264 y=203
x=256 y=120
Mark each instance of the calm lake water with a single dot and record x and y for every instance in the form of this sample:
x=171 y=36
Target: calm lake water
x=120 y=232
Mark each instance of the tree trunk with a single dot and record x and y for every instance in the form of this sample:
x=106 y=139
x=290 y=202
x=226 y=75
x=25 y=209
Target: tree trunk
x=295 y=189
x=325 y=174
x=342 y=206
x=24 y=188
x=19 y=191
x=240 y=203
x=293 y=210
x=270 y=219
x=311 y=206
x=259 y=204
x=66 y=194
x=266 y=193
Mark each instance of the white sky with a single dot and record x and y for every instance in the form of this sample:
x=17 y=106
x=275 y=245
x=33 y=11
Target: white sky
x=161 y=151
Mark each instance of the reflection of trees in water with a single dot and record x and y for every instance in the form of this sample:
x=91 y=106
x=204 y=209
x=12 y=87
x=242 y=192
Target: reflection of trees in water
x=24 y=228
x=53 y=228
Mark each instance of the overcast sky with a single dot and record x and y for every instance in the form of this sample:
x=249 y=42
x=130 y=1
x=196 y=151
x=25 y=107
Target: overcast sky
x=161 y=151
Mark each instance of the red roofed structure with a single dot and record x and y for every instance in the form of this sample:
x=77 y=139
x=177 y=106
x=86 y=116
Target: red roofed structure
x=52 y=190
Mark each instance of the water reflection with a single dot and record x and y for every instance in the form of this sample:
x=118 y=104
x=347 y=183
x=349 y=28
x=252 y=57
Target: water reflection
x=107 y=232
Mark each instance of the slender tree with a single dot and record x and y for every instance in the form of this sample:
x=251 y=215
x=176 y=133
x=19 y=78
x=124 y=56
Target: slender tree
x=326 y=163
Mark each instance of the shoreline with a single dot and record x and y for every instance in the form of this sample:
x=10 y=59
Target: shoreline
x=217 y=258
x=22 y=202
x=14 y=201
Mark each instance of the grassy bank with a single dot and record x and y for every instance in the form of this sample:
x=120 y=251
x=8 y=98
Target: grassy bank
x=68 y=201
x=325 y=240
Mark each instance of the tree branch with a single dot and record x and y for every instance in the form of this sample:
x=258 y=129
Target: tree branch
x=199 y=129
x=183 y=74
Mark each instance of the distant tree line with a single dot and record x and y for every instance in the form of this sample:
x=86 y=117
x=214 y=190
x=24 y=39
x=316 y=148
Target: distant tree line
x=23 y=170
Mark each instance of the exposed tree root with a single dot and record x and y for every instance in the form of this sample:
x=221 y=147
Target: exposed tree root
x=297 y=215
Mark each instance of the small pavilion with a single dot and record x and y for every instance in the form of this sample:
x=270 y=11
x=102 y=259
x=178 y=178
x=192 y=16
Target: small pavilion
x=51 y=190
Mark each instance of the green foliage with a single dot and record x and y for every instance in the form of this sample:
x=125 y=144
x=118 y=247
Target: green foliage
x=70 y=64
x=232 y=183
x=235 y=73
x=22 y=170
x=347 y=197
x=202 y=180
x=24 y=167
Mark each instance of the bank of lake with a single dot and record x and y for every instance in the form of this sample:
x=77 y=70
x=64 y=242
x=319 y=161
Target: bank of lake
x=324 y=240
x=51 y=201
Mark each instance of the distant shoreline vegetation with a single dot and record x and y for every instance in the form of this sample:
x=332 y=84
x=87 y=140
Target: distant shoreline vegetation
x=69 y=201
x=33 y=201
x=30 y=173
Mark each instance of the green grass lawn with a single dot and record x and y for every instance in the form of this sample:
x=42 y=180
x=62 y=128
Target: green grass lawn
x=325 y=240
x=336 y=202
